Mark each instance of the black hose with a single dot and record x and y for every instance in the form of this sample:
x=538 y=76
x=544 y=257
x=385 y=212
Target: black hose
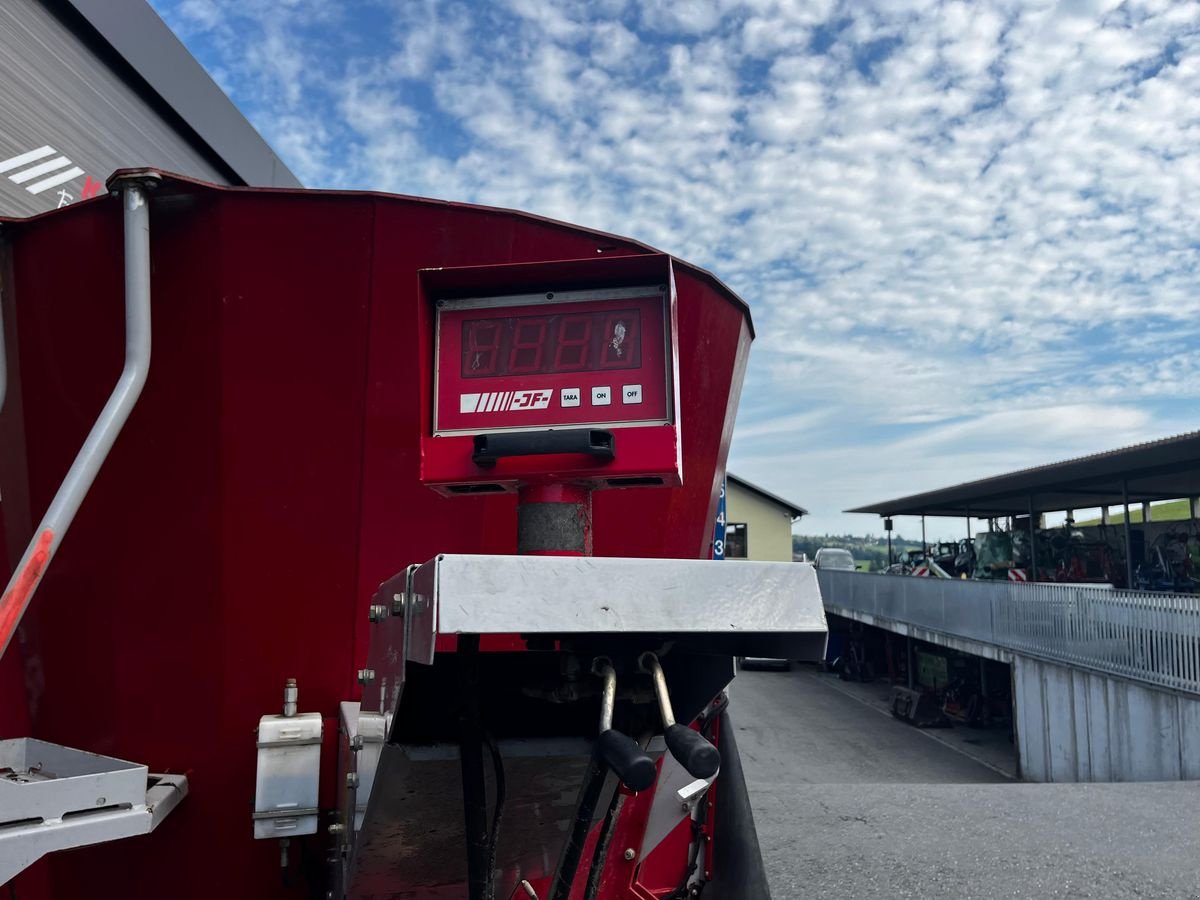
x=497 y=812
x=585 y=808
x=600 y=855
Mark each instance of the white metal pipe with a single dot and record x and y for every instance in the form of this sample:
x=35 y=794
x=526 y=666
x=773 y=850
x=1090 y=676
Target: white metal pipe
x=602 y=667
x=50 y=531
x=649 y=663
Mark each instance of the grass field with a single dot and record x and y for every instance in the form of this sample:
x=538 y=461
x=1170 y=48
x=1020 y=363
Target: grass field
x=1171 y=511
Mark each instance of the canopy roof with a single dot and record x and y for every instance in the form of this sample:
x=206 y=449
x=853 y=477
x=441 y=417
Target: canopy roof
x=1165 y=469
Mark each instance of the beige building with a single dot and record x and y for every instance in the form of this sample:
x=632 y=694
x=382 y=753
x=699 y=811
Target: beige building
x=758 y=524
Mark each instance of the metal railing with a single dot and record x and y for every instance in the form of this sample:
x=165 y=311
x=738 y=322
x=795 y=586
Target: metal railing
x=1141 y=635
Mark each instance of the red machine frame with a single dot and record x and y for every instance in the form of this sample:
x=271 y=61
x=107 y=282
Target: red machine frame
x=274 y=473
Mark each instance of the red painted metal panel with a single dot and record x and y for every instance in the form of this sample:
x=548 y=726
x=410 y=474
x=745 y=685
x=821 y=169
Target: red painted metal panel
x=267 y=482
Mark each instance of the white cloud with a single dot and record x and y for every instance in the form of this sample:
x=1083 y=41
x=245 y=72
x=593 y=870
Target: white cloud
x=941 y=212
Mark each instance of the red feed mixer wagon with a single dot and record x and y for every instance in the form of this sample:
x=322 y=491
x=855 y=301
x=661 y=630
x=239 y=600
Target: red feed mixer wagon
x=358 y=546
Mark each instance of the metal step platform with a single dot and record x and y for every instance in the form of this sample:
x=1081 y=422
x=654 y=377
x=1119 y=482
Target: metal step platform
x=56 y=798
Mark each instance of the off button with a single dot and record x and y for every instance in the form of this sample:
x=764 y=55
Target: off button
x=631 y=393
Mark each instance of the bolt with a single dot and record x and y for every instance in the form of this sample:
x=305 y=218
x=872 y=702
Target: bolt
x=366 y=676
x=351 y=779
x=629 y=855
x=397 y=604
x=337 y=828
x=356 y=743
x=377 y=613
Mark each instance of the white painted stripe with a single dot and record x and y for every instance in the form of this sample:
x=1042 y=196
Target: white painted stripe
x=16 y=162
x=507 y=401
x=54 y=180
x=40 y=169
x=493 y=399
x=467 y=403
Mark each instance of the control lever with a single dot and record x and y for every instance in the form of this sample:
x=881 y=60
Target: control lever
x=690 y=748
x=621 y=752
x=614 y=751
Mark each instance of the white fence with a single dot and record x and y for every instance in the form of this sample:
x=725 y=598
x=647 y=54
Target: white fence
x=1146 y=636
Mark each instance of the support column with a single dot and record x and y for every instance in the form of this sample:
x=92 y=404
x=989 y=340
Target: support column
x=554 y=520
x=1032 y=543
x=1128 y=540
x=908 y=655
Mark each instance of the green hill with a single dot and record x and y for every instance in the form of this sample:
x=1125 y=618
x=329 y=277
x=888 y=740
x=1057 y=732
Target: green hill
x=1171 y=511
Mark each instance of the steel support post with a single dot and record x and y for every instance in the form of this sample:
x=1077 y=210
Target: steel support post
x=908 y=655
x=61 y=512
x=1128 y=538
x=1032 y=543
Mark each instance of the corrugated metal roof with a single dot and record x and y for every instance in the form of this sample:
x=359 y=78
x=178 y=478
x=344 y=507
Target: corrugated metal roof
x=1163 y=469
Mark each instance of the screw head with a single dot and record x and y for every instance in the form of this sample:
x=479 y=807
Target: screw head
x=366 y=676
x=356 y=743
x=351 y=779
x=629 y=854
x=337 y=828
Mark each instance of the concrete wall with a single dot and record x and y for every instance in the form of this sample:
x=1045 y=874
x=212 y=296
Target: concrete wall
x=769 y=526
x=1075 y=725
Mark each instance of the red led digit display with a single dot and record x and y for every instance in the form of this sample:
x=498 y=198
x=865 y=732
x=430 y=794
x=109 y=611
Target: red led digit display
x=530 y=345
x=552 y=363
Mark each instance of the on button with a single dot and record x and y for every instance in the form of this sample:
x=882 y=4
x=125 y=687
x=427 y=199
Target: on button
x=601 y=396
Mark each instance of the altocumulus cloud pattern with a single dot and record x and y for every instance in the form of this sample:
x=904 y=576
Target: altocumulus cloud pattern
x=968 y=230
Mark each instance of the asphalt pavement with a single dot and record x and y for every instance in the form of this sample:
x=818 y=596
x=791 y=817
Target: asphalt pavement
x=851 y=803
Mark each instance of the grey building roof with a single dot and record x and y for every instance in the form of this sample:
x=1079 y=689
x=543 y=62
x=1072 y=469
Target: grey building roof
x=792 y=509
x=142 y=40
x=1165 y=469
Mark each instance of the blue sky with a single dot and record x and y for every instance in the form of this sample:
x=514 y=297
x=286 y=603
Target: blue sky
x=968 y=231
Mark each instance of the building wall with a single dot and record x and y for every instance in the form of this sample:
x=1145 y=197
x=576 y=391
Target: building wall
x=59 y=94
x=769 y=527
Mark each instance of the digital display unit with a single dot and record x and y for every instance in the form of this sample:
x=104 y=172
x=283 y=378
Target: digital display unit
x=536 y=344
x=553 y=360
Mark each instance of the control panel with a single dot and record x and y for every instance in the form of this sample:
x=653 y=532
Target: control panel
x=552 y=372
x=552 y=360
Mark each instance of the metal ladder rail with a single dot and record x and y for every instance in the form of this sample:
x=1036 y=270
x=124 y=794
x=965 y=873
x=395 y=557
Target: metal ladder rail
x=78 y=481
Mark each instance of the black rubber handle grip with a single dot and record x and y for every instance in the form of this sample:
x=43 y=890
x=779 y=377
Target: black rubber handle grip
x=693 y=752
x=623 y=755
x=592 y=441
